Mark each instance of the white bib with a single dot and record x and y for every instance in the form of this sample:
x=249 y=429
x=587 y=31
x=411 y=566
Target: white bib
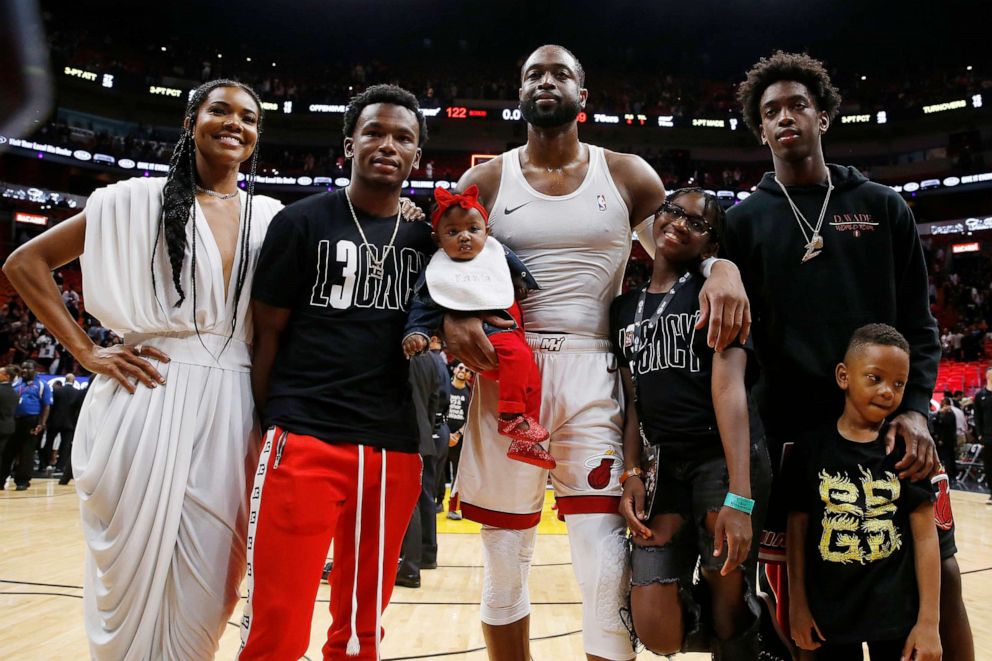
x=482 y=283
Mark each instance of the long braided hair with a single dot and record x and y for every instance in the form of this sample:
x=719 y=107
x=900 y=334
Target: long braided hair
x=179 y=197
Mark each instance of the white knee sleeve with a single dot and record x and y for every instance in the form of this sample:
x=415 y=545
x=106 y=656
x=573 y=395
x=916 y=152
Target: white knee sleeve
x=506 y=556
x=599 y=560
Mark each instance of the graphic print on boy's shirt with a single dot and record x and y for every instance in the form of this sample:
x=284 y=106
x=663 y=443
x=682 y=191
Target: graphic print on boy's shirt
x=340 y=374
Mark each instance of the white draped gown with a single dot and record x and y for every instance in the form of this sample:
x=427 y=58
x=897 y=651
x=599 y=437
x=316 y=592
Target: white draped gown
x=162 y=474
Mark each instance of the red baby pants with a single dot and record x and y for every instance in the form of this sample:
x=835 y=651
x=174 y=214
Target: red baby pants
x=306 y=493
x=518 y=376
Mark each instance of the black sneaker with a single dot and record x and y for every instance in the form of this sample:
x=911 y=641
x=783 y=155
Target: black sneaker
x=324 y=575
x=22 y=487
x=408 y=580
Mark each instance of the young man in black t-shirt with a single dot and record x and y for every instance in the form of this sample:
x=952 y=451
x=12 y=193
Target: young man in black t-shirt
x=864 y=564
x=340 y=460
x=688 y=494
x=822 y=251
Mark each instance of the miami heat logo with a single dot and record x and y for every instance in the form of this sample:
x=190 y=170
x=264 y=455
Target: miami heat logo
x=942 y=513
x=601 y=467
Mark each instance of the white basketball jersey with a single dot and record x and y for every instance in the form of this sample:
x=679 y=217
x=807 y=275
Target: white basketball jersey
x=575 y=245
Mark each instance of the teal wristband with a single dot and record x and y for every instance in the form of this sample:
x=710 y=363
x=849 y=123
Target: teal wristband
x=739 y=503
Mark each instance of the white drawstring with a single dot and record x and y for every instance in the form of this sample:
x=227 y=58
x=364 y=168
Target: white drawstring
x=354 y=646
x=382 y=553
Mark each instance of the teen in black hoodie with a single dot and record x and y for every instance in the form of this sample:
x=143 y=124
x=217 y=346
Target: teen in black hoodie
x=812 y=283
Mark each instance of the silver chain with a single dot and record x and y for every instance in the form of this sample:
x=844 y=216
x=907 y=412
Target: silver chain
x=814 y=242
x=375 y=265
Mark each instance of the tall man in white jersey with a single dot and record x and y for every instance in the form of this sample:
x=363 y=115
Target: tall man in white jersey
x=567 y=209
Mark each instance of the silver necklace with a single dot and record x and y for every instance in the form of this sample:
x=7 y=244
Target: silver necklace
x=213 y=193
x=814 y=241
x=375 y=265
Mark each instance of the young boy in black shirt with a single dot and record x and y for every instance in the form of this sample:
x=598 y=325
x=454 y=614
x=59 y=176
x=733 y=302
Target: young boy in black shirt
x=706 y=463
x=863 y=559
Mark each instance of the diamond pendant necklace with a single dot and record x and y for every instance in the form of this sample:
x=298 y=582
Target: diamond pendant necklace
x=375 y=265
x=814 y=241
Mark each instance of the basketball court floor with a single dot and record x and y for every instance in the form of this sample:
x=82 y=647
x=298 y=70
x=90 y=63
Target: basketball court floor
x=41 y=576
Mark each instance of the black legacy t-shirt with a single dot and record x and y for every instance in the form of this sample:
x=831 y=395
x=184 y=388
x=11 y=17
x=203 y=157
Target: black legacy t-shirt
x=860 y=574
x=674 y=373
x=340 y=374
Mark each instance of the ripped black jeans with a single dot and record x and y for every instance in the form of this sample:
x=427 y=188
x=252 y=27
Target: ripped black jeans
x=693 y=489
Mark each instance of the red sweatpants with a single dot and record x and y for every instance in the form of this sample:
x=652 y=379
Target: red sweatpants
x=305 y=495
x=518 y=376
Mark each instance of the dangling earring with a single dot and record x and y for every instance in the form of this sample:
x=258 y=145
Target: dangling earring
x=764 y=140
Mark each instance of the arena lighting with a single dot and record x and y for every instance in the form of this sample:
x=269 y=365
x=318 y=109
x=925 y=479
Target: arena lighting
x=743 y=195
x=511 y=114
x=36 y=146
x=40 y=149
x=323 y=107
x=161 y=90
x=959 y=248
x=80 y=73
x=30 y=218
x=273 y=180
x=966 y=226
x=947 y=105
x=304 y=181
x=341 y=181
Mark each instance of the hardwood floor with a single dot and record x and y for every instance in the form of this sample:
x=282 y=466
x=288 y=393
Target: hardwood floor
x=41 y=569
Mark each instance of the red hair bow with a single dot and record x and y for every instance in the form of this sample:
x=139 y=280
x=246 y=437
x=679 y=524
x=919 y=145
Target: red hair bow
x=467 y=200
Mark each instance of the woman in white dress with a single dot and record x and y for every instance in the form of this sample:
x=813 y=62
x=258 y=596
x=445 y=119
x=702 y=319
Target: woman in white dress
x=168 y=433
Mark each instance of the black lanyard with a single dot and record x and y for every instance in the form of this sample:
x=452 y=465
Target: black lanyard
x=639 y=340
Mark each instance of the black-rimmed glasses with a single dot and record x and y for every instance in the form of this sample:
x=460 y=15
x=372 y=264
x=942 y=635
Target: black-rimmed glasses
x=696 y=224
